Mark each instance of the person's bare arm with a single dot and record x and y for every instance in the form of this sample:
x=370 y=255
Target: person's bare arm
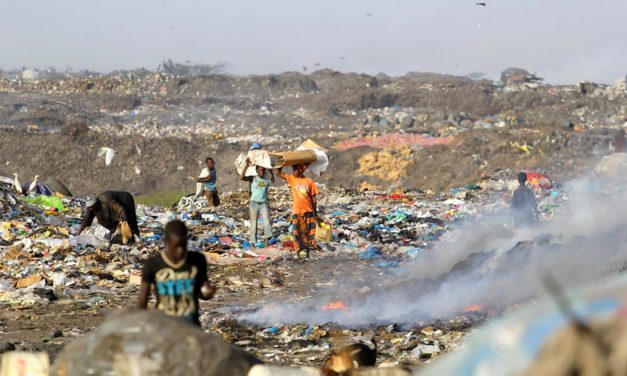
x=207 y=290
x=314 y=203
x=242 y=176
x=87 y=221
x=144 y=292
x=281 y=174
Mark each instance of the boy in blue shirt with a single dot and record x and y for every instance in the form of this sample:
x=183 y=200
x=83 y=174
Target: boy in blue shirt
x=209 y=180
x=259 y=204
x=179 y=277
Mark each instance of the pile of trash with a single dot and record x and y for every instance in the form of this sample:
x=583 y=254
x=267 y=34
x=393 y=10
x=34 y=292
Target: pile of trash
x=44 y=266
x=611 y=92
x=412 y=120
x=9 y=203
x=518 y=79
x=39 y=248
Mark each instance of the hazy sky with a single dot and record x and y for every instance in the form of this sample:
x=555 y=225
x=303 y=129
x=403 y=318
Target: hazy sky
x=561 y=40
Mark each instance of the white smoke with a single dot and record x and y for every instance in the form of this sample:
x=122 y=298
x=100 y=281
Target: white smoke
x=483 y=263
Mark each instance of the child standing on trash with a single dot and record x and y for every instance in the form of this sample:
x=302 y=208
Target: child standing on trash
x=259 y=204
x=209 y=177
x=179 y=277
x=253 y=147
x=305 y=210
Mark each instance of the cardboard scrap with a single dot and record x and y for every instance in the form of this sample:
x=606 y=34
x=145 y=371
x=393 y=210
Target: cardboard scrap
x=290 y=158
x=16 y=251
x=28 y=281
x=6 y=235
x=310 y=144
x=63 y=231
x=211 y=257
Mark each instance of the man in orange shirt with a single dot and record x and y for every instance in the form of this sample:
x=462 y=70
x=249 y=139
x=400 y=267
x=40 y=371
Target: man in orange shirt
x=305 y=216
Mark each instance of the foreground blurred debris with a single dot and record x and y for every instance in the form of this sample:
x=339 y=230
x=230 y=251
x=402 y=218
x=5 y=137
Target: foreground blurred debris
x=150 y=343
x=540 y=340
x=20 y=363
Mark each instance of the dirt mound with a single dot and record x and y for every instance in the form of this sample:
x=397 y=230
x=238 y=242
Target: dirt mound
x=177 y=121
x=172 y=164
x=388 y=165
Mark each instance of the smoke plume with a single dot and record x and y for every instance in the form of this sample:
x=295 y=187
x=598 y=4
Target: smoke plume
x=482 y=263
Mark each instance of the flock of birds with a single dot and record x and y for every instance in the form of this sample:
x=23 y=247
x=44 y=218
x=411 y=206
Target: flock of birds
x=106 y=152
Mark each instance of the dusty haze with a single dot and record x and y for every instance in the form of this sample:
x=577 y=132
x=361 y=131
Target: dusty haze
x=562 y=40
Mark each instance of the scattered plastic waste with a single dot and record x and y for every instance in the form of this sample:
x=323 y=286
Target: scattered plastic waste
x=42 y=261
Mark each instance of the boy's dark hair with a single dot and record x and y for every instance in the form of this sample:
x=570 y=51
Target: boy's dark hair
x=209 y=159
x=522 y=177
x=177 y=229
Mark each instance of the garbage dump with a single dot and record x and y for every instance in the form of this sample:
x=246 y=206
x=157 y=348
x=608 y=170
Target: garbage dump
x=450 y=124
x=48 y=270
x=350 y=291
x=417 y=245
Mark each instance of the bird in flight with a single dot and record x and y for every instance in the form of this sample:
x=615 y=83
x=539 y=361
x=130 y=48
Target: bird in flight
x=108 y=154
x=369 y=15
x=317 y=64
x=482 y=4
